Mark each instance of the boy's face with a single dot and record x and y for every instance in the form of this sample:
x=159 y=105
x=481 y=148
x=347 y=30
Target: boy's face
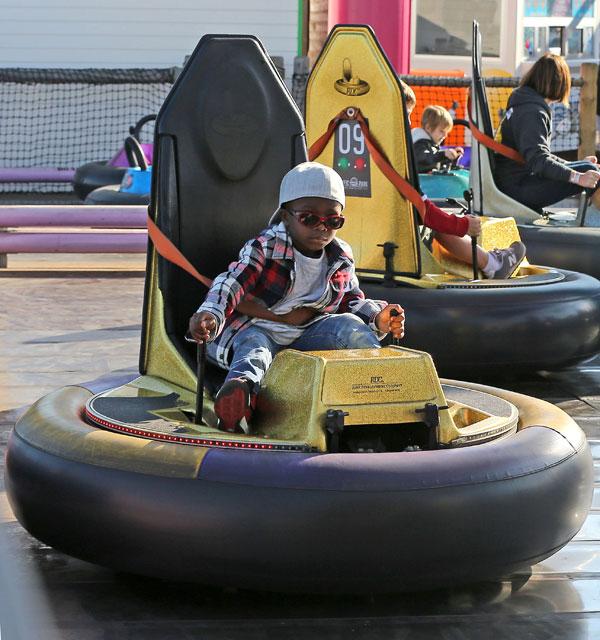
x=309 y=239
x=438 y=133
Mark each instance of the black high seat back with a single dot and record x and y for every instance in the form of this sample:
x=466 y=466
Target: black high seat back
x=226 y=134
x=487 y=198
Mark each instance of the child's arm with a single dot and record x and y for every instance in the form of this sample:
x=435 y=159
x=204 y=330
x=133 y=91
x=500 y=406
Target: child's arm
x=426 y=157
x=354 y=300
x=377 y=314
x=297 y=317
x=439 y=220
x=203 y=324
x=374 y=313
x=453 y=153
x=230 y=288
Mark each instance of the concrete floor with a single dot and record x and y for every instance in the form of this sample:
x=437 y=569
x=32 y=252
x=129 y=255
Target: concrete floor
x=63 y=330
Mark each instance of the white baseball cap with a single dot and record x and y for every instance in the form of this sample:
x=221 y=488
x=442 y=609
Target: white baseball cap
x=309 y=180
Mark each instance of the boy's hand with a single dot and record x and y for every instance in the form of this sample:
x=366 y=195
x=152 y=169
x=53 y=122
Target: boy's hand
x=591 y=159
x=202 y=326
x=474 y=226
x=387 y=323
x=298 y=316
x=453 y=154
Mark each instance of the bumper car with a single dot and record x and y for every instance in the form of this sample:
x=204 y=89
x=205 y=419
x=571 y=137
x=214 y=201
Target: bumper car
x=96 y=175
x=364 y=471
x=135 y=184
x=470 y=326
x=558 y=238
x=443 y=183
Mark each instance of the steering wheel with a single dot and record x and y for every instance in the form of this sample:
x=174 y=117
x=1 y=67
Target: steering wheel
x=135 y=154
x=448 y=165
x=137 y=128
x=454 y=164
x=461 y=122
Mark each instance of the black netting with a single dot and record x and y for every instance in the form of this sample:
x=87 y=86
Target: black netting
x=299 y=80
x=63 y=118
x=89 y=76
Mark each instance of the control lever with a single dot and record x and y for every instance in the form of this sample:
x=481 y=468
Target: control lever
x=468 y=196
x=200 y=368
x=395 y=341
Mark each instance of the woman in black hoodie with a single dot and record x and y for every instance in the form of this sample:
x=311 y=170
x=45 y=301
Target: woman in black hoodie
x=543 y=178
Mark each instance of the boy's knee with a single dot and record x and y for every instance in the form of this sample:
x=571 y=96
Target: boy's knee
x=250 y=340
x=363 y=338
x=355 y=334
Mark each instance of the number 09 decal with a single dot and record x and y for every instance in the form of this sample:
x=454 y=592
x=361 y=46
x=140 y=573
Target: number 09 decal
x=351 y=139
x=351 y=159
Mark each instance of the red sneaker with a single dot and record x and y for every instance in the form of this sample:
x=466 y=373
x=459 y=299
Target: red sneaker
x=234 y=405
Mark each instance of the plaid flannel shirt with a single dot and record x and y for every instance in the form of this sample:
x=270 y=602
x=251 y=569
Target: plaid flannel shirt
x=264 y=272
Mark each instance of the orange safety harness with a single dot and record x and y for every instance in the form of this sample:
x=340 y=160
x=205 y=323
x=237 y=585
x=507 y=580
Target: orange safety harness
x=165 y=248
x=490 y=143
x=402 y=185
x=170 y=252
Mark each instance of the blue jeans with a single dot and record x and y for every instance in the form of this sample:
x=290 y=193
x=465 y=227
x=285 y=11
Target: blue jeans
x=253 y=349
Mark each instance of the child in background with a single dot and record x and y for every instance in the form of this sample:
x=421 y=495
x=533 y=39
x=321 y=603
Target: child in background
x=436 y=124
x=303 y=277
x=451 y=231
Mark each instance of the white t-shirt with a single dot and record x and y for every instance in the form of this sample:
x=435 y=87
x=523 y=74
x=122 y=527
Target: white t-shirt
x=309 y=285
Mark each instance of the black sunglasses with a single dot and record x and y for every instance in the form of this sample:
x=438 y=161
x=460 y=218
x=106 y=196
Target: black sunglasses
x=313 y=219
